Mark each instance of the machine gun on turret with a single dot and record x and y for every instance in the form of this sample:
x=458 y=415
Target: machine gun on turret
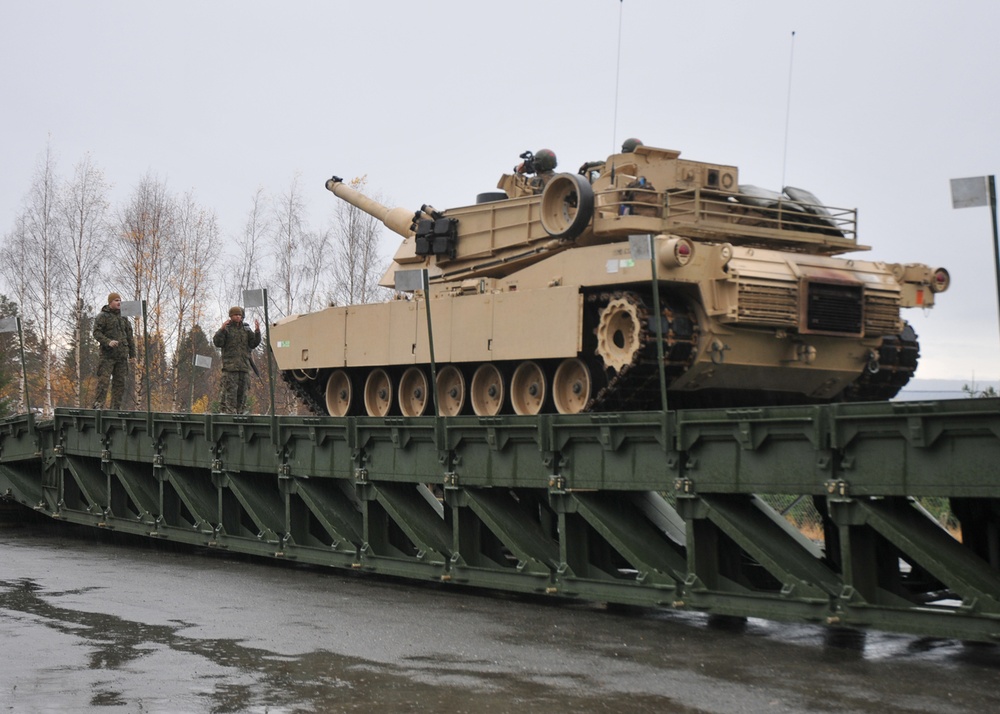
x=548 y=301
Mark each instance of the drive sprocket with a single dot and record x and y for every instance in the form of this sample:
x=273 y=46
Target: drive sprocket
x=621 y=332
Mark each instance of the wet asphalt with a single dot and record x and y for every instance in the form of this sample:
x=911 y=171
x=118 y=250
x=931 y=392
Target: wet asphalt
x=90 y=622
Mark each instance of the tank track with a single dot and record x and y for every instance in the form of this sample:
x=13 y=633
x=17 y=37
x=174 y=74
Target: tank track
x=897 y=361
x=303 y=393
x=636 y=386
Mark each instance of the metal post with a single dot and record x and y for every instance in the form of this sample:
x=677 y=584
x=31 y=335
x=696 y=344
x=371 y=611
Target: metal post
x=24 y=374
x=659 y=324
x=430 y=340
x=270 y=364
x=980 y=191
x=270 y=367
x=191 y=374
x=991 y=181
x=145 y=359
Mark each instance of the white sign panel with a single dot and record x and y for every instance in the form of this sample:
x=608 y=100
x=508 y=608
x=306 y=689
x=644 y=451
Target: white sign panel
x=409 y=280
x=202 y=361
x=253 y=298
x=640 y=247
x=969 y=192
x=132 y=308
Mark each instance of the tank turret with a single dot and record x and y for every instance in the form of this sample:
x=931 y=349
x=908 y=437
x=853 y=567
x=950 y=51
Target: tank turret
x=562 y=298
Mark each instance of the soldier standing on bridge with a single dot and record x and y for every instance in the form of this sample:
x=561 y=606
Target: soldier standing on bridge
x=236 y=341
x=114 y=333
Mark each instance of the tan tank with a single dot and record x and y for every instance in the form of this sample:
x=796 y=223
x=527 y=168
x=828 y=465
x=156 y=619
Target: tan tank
x=542 y=300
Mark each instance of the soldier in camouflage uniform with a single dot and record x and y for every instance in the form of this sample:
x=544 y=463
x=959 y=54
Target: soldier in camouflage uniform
x=542 y=165
x=236 y=341
x=114 y=333
x=628 y=147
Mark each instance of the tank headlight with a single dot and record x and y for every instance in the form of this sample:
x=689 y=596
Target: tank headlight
x=940 y=280
x=676 y=252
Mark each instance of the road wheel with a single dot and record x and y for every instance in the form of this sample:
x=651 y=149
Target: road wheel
x=414 y=391
x=487 y=392
x=378 y=393
x=339 y=394
x=527 y=388
x=451 y=391
x=571 y=386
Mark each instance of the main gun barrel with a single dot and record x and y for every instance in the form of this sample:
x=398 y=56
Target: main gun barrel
x=397 y=220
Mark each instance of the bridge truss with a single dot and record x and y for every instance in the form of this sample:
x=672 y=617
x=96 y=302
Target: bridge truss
x=673 y=510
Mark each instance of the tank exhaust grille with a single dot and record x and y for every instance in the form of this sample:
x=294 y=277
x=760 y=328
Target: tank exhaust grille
x=882 y=314
x=830 y=308
x=771 y=305
x=836 y=308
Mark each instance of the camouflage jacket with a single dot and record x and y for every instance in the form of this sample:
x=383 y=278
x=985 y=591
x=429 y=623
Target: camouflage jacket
x=236 y=343
x=109 y=326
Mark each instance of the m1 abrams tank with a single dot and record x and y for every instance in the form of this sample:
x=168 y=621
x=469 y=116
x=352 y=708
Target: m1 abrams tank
x=569 y=298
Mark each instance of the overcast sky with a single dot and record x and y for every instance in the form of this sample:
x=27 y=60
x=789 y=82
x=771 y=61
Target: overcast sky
x=433 y=100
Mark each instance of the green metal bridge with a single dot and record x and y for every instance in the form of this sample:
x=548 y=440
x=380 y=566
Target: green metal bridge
x=669 y=510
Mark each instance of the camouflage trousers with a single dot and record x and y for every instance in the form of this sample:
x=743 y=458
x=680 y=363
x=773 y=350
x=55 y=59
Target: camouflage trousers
x=233 y=392
x=113 y=373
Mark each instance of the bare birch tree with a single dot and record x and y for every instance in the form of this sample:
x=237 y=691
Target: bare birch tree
x=13 y=265
x=244 y=272
x=286 y=249
x=43 y=230
x=143 y=266
x=357 y=263
x=195 y=254
x=316 y=266
x=85 y=213
x=164 y=250
x=298 y=258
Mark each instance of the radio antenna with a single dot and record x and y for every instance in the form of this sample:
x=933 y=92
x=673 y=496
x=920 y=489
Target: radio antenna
x=618 y=66
x=788 y=110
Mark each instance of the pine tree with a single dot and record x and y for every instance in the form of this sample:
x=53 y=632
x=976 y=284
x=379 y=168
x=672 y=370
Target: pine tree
x=195 y=385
